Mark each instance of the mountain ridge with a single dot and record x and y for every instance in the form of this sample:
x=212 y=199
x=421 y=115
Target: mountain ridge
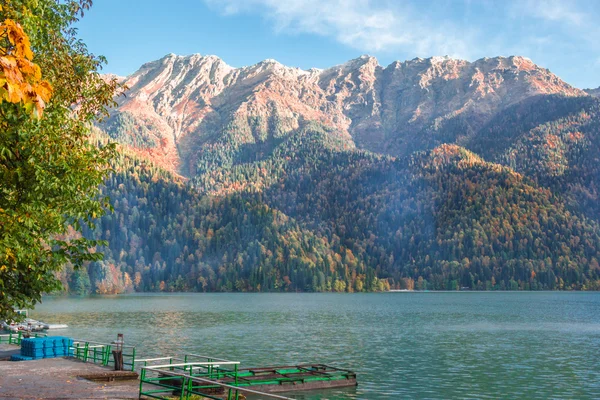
x=593 y=92
x=182 y=103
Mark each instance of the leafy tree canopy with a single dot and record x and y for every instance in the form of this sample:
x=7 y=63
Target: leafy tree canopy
x=50 y=92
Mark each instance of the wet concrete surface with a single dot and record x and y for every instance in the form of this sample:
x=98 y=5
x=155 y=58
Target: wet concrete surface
x=56 y=378
x=7 y=350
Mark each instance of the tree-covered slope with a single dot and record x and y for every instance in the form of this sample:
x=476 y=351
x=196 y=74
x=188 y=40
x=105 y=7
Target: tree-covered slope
x=312 y=215
x=553 y=140
x=429 y=174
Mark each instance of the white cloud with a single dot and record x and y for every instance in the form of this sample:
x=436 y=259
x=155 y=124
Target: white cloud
x=361 y=24
x=558 y=34
x=553 y=11
x=576 y=20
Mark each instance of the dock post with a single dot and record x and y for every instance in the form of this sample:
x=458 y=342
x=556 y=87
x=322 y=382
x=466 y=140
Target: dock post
x=183 y=395
x=188 y=389
x=235 y=368
x=133 y=359
x=85 y=351
x=106 y=355
x=142 y=377
x=118 y=353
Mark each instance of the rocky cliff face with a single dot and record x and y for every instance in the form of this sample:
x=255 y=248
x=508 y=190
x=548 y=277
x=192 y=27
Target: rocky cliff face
x=176 y=106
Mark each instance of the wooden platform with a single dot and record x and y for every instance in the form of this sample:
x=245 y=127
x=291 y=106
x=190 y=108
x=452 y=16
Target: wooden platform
x=110 y=376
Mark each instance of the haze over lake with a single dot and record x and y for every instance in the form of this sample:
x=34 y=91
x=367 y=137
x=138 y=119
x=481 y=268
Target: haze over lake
x=402 y=345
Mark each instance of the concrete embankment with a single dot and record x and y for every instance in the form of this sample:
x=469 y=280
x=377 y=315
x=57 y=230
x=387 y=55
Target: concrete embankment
x=57 y=378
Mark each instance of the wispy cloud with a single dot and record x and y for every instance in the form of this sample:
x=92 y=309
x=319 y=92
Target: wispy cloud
x=553 y=11
x=366 y=25
x=571 y=18
x=559 y=34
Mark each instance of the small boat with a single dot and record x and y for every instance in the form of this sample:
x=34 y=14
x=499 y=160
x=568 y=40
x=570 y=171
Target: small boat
x=29 y=324
x=56 y=326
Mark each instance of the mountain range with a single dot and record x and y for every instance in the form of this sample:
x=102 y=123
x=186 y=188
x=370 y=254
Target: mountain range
x=176 y=107
x=430 y=174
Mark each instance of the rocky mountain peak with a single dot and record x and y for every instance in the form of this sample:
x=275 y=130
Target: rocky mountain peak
x=361 y=61
x=270 y=68
x=184 y=102
x=364 y=64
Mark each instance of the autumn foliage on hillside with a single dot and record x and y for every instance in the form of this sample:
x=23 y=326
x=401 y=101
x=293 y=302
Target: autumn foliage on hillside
x=307 y=214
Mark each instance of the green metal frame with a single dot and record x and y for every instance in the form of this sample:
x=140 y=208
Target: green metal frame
x=17 y=337
x=192 y=385
x=211 y=369
x=100 y=353
x=283 y=379
x=203 y=377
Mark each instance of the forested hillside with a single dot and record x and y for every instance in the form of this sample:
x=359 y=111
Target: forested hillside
x=310 y=214
x=433 y=174
x=553 y=140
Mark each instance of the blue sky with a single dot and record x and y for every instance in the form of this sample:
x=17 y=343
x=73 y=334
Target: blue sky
x=563 y=36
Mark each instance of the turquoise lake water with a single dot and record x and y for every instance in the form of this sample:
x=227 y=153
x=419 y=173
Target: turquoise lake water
x=402 y=345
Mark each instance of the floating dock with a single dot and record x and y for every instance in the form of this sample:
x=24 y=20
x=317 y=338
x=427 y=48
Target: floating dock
x=294 y=377
x=215 y=378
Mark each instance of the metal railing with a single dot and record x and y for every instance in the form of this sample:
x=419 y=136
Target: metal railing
x=194 y=378
x=84 y=350
x=16 y=337
x=101 y=353
x=145 y=361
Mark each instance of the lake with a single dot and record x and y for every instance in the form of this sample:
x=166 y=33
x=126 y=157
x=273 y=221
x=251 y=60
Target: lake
x=402 y=345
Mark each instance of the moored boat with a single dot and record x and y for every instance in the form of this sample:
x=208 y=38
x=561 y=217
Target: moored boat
x=29 y=324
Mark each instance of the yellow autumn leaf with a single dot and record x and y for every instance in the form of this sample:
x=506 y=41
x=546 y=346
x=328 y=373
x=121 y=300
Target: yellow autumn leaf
x=18 y=38
x=44 y=90
x=37 y=72
x=14 y=92
x=26 y=67
x=20 y=78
